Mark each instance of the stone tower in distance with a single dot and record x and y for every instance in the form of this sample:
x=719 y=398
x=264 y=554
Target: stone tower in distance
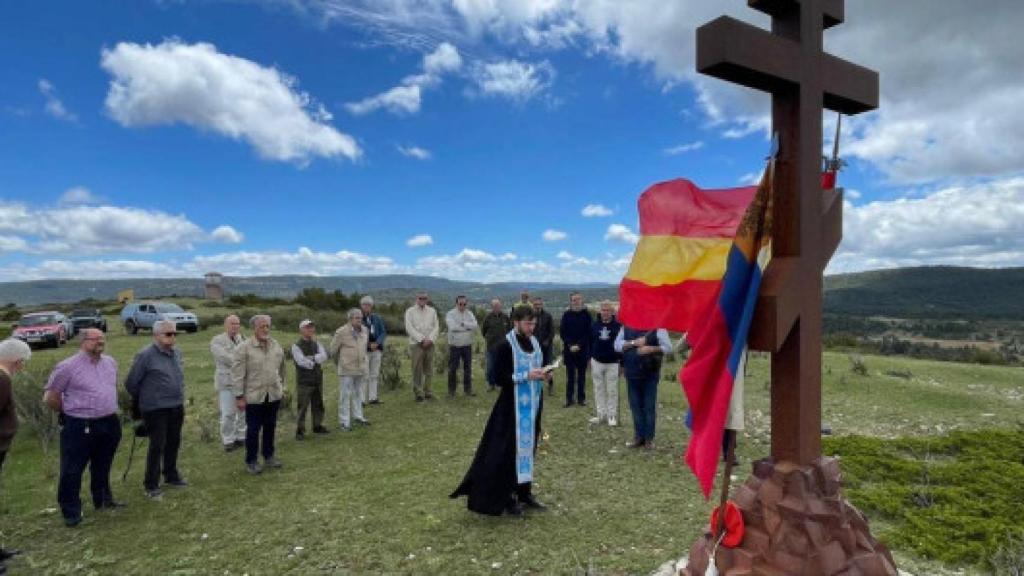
x=214 y=286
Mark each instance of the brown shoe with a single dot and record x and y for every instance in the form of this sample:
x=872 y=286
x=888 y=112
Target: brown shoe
x=636 y=443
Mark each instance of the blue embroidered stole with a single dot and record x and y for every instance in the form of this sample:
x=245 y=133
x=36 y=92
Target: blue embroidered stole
x=527 y=398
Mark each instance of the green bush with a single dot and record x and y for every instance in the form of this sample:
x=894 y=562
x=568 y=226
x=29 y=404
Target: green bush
x=35 y=417
x=320 y=299
x=956 y=498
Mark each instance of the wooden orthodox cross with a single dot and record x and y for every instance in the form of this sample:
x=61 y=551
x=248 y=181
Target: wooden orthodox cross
x=789 y=63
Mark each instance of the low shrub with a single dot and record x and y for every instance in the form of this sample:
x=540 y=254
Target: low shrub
x=956 y=498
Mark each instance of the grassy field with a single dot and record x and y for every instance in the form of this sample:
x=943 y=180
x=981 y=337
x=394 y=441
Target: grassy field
x=375 y=500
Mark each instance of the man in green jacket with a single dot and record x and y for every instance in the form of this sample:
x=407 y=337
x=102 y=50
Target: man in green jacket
x=496 y=325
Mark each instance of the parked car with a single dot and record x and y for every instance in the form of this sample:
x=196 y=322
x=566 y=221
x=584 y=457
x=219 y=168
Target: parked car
x=43 y=328
x=142 y=315
x=88 y=318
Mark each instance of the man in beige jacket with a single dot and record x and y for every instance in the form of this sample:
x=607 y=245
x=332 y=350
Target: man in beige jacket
x=348 y=348
x=232 y=420
x=422 y=327
x=257 y=380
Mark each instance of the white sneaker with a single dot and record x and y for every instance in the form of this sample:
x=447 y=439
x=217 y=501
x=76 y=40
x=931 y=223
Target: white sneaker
x=613 y=422
x=596 y=420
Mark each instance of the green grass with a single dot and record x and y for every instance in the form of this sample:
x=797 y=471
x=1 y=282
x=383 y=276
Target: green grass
x=375 y=500
x=955 y=498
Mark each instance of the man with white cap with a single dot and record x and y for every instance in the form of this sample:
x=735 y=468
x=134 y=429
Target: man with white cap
x=309 y=356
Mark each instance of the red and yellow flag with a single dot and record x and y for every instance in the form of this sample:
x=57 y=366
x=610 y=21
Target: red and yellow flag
x=685 y=237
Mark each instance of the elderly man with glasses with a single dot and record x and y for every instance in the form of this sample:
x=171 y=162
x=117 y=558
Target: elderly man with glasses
x=156 y=383
x=422 y=327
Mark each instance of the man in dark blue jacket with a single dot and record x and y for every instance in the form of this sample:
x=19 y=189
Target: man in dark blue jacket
x=575 y=333
x=374 y=349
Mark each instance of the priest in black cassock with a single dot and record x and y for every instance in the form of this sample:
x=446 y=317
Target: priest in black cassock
x=501 y=476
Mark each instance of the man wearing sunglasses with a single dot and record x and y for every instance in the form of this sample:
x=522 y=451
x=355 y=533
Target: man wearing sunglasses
x=156 y=383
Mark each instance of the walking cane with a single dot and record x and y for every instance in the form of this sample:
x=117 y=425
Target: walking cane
x=139 y=432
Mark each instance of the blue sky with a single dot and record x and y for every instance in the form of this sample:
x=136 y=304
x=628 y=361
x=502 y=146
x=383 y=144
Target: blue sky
x=463 y=138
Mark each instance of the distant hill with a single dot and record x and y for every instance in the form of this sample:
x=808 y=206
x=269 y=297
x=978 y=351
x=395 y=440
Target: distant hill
x=384 y=288
x=929 y=292
x=926 y=292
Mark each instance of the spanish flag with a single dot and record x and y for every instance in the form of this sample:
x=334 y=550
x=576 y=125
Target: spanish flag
x=719 y=337
x=685 y=237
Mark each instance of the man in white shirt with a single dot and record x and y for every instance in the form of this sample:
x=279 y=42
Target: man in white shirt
x=461 y=327
x=309 y=356
x=422 y=327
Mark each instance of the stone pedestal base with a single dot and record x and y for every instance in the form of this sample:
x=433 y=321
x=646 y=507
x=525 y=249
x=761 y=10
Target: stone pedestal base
x=797 y=522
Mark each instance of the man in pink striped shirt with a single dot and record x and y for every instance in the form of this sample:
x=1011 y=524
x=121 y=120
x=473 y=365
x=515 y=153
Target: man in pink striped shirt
x=84 y=389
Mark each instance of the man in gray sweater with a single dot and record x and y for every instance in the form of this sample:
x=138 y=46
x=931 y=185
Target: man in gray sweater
x=156 y=383
x=462 y=326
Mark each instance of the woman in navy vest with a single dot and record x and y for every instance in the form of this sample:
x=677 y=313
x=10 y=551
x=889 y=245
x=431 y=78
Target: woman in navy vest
x=642 y=353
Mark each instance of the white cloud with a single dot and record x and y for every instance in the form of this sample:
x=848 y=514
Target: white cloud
x=683 y=148
x=468 y=257
x=12 y=244
x=550 y=235
x=975 y=225
x=227 y=235
x=397 y=100
x=512 y=79
x=596 y=211
x=621 y=233
x=196 y=85
x=407 y=97
x=84 y=230
x=564 y=255
x=101 y=269
x=750 y=178
x=54 y=107
x=480 y=265
x=415 y=152
x=301 y=261
x=78 y=195
x=419 y=240
x=442 y=60
x=950 y=90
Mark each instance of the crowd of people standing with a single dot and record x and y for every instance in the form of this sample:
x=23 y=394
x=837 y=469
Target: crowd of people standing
x=250 y=383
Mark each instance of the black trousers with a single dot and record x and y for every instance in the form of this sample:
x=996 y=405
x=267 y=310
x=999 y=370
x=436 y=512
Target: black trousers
x=463 y=355
x=164 y=426
x=3 y=455
x=576 y=376
x=260 y=417
x=86 y=442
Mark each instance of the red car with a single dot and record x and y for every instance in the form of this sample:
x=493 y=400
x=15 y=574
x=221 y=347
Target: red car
x=42 y=328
